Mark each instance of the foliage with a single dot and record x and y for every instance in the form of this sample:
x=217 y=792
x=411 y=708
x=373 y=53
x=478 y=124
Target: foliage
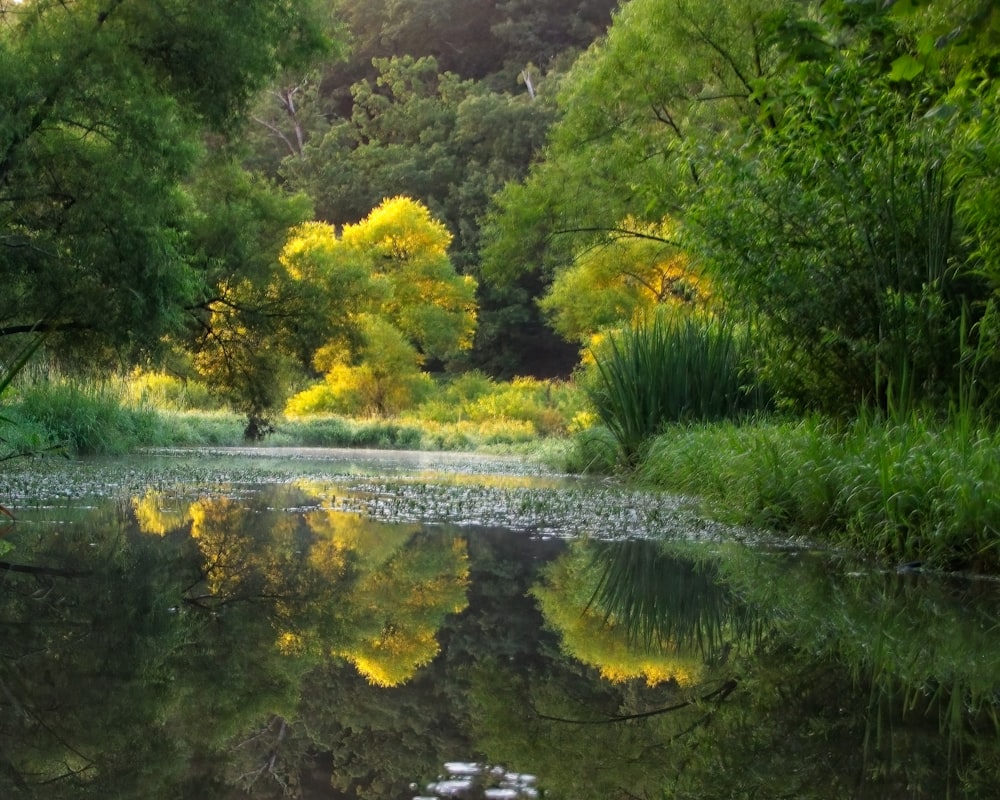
x=638 y=269
x=105 y=108
x=247 y=337
x=547 y=406
x=899 y=490
x=448 y=143
x=663 y=370
x=663 y=596
x=835 y=226
x=165 y=392
x=599 y=637
x=392 y=265
x=669 y=83
x=424 y=582
x=386 y=381
x=831 y=167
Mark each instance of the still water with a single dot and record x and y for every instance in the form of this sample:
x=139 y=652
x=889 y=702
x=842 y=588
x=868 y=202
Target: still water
x=389 y=626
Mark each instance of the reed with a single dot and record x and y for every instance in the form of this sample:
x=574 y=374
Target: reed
x=83 y=418
x=666 y=370
x=663 y=599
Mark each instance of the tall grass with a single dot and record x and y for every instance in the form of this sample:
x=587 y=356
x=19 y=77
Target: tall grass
x=907 y=490
x=670 y=369
x=83 y=419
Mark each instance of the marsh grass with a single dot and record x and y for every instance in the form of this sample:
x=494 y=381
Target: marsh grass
x=668 y=370
x=908 y=490
x=80 y=418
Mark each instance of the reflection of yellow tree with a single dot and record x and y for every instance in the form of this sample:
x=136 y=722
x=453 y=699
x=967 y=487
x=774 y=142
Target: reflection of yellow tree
x=400 y=605
x=589 y=638
x=153 y=517
x=402 y=583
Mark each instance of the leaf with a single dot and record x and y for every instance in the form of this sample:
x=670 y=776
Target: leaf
x=905 y=68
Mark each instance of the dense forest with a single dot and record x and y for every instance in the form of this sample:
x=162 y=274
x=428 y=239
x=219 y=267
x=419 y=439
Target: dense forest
x=680 y=211
x=157 y=163
x=818 y=174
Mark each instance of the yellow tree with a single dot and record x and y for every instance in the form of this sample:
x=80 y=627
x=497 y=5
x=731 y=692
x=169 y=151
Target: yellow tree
x=640 y=267
x=388 y=298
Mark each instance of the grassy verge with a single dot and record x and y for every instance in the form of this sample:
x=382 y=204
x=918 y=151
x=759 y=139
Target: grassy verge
x=901 y=490
x=108 y=419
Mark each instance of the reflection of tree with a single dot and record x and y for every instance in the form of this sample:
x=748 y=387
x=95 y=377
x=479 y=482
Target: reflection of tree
x=399 y=606
x=603 y=639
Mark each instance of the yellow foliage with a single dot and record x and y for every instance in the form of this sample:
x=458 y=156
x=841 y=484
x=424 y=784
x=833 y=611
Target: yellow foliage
x=308 y=251
x=401 y=604
x=153 y=518
x=393 y=264
x=399 y=229
x=622 y=280
x=394 y=658
x=291 y=644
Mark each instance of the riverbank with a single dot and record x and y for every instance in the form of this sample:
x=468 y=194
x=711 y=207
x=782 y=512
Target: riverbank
x=902 y=492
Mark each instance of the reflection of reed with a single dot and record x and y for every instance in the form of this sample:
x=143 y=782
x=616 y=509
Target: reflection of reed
x=665 y=600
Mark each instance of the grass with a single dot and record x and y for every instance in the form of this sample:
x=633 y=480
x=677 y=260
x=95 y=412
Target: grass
x=122 y=415
x=670 y=370
x=907 y=490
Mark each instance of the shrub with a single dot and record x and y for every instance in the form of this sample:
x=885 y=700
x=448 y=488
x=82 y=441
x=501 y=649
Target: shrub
x=670 y=369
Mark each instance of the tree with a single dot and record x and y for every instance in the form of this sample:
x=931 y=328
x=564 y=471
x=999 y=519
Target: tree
x=809 y=154
x=617 y=283
x=450 y=144
x=248 y=327
x=388 y=298
x=104 y=110
x=836 y=226
x=642 y=112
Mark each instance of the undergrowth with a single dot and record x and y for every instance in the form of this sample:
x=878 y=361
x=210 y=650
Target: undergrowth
x=907 y=490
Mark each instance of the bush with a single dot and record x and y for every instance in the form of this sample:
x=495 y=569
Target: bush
x=168 y=393
x=670 y=370
x=547 y=406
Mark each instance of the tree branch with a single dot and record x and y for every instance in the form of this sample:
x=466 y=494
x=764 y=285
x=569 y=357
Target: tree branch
x=718 y=695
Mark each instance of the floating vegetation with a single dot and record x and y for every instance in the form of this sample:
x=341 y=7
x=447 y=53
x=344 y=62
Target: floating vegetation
x=430 y=488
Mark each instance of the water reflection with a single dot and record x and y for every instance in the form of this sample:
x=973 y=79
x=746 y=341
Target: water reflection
x=262 y=641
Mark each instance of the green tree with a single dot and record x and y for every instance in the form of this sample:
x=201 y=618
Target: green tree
x=810 y=155
x=836 y=226
x=249 y=327
x=104 y=109
x=642 y=112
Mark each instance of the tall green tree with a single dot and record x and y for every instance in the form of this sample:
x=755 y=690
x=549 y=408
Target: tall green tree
x=104 y=107
x=642 y=111
x=809 y=151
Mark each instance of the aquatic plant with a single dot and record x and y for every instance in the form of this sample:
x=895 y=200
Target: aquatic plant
x=665 y=370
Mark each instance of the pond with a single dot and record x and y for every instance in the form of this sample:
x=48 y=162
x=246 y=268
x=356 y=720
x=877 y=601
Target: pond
x=388 y=626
